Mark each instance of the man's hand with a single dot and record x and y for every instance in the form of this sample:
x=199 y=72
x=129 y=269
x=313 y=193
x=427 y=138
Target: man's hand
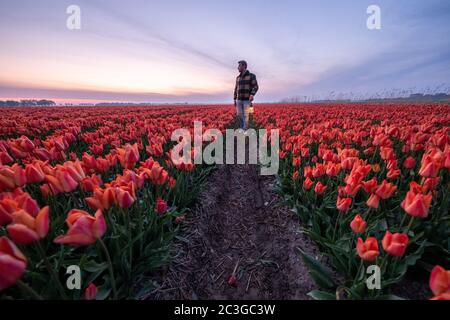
x=251 y=98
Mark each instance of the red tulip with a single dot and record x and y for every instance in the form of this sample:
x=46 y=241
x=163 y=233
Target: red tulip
x=5 y=158
x=161 y=206
x=25 y=229
x=343 y=204
x=416 y=204
x=358 y=225
x=333 y=169
x=373 y=201
x=430 y=166
x=409 y=163
x=7 y=207
x=440 y=283
x=367 y=250
x=20 y=178
x=124 y=198
x=34 y=173
x=232 y=280
x=84 y=229
x=91 y=292
x=395 y=244
x=12 y=263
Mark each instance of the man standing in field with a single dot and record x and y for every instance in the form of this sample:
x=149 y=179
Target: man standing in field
x=244 y=92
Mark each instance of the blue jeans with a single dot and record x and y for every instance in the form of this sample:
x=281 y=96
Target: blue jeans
x=242 y=107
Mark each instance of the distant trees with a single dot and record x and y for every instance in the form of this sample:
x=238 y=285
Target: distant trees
x=27 y=103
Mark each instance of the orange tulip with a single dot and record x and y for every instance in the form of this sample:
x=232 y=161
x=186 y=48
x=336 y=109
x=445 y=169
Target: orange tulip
x=128 y=156
x=12 y=263
x=343 y=204
x=320 y=188
x=440 y=283
x=75 y=170
x=15 y=201
x=307 y=184
x=90 y=183
x=370 y=186
x=368 y=250
x=62 y=181
x=395 y=244
x=416 y=204
x=385 y=190
x=358 y=225
x=84 y=229
x=25 y=229
x=102 y=199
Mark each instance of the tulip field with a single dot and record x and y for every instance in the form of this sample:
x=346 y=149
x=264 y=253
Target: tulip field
x=94 y=189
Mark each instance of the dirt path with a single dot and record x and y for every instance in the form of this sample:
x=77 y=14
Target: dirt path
x=238 y=225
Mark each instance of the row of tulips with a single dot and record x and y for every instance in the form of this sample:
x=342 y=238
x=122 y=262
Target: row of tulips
x=371 y=185
x=109 y=204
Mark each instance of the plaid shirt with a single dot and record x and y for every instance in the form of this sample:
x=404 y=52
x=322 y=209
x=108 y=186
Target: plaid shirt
x=246 y=86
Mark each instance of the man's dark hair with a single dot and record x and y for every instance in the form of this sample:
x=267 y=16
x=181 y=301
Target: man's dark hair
x=243 y=62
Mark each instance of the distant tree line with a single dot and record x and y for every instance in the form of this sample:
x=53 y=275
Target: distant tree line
x=27 y=103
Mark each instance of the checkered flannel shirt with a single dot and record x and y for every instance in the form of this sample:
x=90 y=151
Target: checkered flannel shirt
x=246 y=86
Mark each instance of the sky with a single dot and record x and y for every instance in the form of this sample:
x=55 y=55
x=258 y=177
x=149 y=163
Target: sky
x=187 y=50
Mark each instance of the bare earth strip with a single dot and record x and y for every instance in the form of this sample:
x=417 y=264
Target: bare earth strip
x=238 y=225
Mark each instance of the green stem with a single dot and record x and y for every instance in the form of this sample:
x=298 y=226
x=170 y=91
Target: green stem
x=383 y=262
x=394 y=266
x=403 y=222
x=28 y=289
x=126 y=216
x=361 y=264
x=409 y=225
x=336 y=225
x=51 y=270
x=110 y=267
